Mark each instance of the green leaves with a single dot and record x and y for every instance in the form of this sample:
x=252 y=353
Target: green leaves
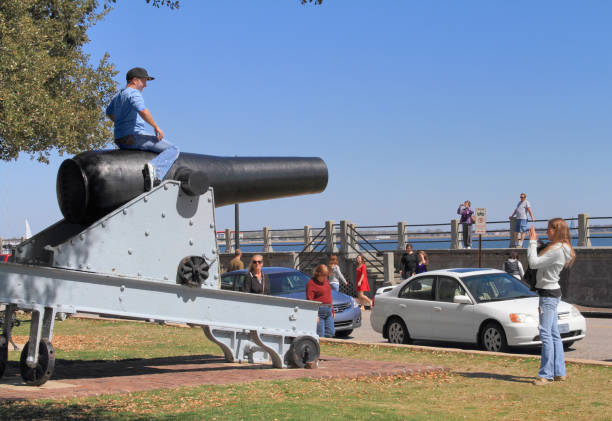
x=50 y=96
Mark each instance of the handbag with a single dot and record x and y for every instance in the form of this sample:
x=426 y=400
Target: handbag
x=530 y=276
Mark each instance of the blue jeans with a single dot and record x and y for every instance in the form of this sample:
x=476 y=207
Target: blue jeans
x=325 y=327
x=166 y=150
x=553 y=359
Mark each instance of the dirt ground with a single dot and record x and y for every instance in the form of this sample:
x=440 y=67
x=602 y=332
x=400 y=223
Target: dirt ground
x=88 y=378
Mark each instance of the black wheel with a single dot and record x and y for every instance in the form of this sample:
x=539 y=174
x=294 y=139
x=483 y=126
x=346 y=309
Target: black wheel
x=3 y=354
x=567 y=345
x=493 y=338
x=343 y=333
x=303 y=350
x=43 y=370
x=397 y=333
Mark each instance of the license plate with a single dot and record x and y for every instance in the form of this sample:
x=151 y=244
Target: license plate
x=563 y=328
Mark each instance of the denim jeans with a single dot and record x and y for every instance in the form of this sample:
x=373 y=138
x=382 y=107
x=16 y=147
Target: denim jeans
x=553 y=359
x=166 y=150
x=325 y=327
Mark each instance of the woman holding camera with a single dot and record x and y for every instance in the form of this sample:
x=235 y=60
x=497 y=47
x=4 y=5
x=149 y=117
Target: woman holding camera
x=466 y=221
x=549 y=263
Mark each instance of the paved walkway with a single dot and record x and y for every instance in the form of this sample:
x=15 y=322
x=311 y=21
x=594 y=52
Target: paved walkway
x=89 y=378
x=594 y=311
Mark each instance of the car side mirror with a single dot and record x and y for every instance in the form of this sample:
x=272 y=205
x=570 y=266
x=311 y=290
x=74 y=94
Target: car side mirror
x=462 y=299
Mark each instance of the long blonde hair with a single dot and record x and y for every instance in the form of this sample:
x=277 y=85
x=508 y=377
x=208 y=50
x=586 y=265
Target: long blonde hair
x=425 y=258
x=561 y=234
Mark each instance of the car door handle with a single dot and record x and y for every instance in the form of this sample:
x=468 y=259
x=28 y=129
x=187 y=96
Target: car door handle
x=437 y=308
x=402 y=305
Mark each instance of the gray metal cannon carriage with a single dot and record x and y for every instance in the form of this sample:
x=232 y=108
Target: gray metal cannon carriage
x=123 y=252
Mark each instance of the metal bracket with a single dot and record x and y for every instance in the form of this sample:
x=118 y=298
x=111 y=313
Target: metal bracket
x=41 y=328
x=253 y=346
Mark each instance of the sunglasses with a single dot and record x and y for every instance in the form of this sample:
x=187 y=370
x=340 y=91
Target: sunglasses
x=258 y=262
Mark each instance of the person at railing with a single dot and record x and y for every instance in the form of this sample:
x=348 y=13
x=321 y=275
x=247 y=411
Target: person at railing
x=409 y=262
x=362 y=284
x=557 y=255
x=520 y=226
x=335 y=275
x=255 y=280
x=513 y=266
x=318 y=289
x=423 y=262
x=236 y=263
x=466 y=221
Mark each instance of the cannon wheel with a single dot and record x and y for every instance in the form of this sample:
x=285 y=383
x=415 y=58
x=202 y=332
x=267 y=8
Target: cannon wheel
x=43 y=370
x=303 y=350
x=192 y=271
x=4 y=343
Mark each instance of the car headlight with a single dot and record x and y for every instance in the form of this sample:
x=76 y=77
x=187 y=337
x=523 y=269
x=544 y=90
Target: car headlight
x=575 y=312
x=522 y=318
x=355 y=304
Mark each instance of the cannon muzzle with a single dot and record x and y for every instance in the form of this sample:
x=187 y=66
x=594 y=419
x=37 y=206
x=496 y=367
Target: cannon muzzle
x=94 y=183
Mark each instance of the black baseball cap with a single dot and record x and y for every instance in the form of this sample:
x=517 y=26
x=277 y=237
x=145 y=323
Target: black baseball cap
x=137 y=72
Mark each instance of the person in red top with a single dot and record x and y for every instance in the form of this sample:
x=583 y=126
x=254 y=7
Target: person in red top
x=318 y=289
x=362 y=283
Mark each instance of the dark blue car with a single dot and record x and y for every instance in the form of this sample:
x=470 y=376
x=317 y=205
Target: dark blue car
x=291 y=283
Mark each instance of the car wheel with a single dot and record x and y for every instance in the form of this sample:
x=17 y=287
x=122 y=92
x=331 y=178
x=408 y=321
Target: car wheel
x=397 y=332
x=343 y=333
x=567 y=345
x=493 y=338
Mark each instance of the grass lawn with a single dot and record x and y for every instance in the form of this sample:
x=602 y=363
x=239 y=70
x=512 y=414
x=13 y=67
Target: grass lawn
x=478 y=387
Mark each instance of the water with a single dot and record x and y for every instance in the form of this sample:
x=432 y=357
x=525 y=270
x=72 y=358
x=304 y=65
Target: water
x=597 y=240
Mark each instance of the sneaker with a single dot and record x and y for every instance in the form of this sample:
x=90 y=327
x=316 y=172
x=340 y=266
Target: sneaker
x=148 y=173
x=541 y=381
x=560 y=378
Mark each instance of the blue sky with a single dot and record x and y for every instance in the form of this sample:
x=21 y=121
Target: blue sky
x=414 y=106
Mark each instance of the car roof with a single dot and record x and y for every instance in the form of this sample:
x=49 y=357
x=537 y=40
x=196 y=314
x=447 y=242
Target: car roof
x=462 y=272
x=267 y=270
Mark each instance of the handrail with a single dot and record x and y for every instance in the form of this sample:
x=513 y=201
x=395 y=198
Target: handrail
x=311 y=256
x=355 y=232
x=378 y=237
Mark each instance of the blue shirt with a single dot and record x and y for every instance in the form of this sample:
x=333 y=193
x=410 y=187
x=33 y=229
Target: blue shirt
x=521 y=209
x=125 y=107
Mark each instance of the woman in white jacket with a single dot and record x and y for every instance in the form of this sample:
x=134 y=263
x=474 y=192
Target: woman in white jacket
x=549 y=263
x=335 y=276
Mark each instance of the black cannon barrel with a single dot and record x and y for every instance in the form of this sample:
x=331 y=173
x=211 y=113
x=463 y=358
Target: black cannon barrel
x=94 y=183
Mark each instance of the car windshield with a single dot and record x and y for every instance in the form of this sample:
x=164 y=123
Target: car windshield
x=288 y=282
x=496 y=287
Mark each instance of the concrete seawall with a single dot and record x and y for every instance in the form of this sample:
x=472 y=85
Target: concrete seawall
x=588 y=282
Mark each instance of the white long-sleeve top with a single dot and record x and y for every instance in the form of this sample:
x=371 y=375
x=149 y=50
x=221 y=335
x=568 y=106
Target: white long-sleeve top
x=336 y=276
x=549 y=264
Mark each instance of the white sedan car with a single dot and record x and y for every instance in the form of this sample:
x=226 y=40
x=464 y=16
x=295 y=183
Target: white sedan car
x=483 y=306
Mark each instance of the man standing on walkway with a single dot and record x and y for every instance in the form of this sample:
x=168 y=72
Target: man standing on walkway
x=409 y=262
x=520 y=226
x=128 y=111
x=236 y=263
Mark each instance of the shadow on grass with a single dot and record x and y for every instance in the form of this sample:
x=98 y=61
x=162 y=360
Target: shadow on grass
x=88 y=369
x=495 y=376
x=26 y=411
